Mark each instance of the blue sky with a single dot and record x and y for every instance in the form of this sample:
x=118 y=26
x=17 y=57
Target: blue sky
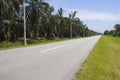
x=98 y=15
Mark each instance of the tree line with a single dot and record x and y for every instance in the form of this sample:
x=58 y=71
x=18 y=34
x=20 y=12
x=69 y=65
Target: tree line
x=115 y=32
x=40 y=21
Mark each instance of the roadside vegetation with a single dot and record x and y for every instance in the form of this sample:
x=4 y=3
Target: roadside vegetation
x=115 y=32
x=103 y=63
x=4 y=45
x=41 y=23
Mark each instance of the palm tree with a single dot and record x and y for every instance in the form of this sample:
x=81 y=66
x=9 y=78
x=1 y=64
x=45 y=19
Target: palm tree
x=60 y=21
x=47 y=24
x=35 y=10
x=9 y=10
x=71 y=17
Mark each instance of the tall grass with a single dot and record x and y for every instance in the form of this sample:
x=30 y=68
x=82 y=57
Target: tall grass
x=6 y=44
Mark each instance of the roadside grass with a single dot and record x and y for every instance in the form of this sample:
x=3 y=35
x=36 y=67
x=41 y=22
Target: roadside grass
x=5 y=45
x=103 y=63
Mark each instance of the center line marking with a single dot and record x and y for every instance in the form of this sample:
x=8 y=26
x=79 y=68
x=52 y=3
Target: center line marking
x=51 y=48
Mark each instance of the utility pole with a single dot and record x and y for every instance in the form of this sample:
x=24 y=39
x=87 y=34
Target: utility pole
x=25 y=42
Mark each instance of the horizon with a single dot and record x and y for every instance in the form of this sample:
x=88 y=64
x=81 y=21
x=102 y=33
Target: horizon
x=96 y=17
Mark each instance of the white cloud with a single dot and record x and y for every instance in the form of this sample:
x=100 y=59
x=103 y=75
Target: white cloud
x=101 y=16
x=92 y=15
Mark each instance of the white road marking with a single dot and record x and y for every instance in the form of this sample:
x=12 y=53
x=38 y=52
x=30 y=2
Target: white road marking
x=51 y=48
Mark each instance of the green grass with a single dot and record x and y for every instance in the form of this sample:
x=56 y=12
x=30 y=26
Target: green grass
x=5 y=45
x=104 y=61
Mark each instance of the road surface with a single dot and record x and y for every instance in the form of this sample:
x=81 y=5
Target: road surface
x=54 y=61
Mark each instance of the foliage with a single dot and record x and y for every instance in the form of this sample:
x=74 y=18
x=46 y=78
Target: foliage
x=7 y=44
x=39 y=20
x=115 y=32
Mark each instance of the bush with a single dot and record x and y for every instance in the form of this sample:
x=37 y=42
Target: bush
x=33 y=41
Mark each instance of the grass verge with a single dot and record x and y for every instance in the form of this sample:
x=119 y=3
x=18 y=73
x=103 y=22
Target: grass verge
x=104 y=61
x=5 y=45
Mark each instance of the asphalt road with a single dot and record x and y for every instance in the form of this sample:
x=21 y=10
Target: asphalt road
x=54 y=61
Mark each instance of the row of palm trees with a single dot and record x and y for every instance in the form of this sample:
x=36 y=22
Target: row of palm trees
x=40 y=21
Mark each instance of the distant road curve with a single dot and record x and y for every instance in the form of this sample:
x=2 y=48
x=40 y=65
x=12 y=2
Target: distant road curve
x=54 y=61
